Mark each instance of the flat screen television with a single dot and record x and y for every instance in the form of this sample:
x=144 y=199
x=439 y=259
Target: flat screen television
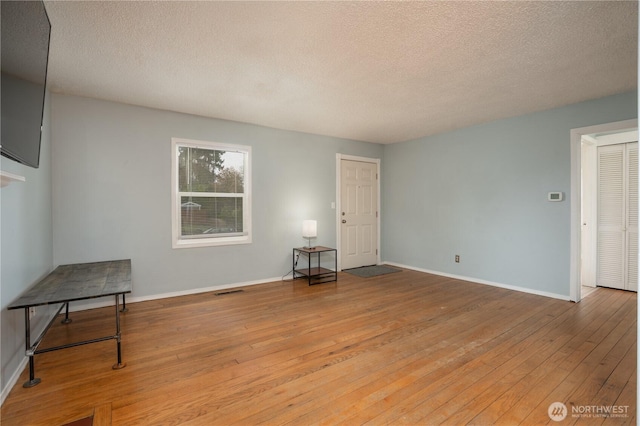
x=25 y=33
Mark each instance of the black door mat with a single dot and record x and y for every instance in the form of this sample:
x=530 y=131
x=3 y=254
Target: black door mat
x=371 y=271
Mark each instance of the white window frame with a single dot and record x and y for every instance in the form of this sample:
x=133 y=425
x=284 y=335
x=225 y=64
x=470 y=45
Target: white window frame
x=176 y=216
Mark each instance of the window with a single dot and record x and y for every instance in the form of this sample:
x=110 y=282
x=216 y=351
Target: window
x=210 y=193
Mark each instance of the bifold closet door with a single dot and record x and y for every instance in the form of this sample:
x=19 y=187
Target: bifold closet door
x=618 y=216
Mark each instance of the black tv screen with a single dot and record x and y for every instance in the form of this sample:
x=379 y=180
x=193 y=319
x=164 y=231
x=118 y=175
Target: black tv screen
x=24 y=44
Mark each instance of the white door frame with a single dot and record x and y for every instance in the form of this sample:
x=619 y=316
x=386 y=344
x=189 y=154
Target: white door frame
x=576 y=200
x=339 y=158
x=589 y=211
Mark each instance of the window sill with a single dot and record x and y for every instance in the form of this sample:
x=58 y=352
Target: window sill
x=211 y=242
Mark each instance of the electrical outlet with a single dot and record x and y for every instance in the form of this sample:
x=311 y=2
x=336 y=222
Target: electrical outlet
x=32 y=312
x=457 y=258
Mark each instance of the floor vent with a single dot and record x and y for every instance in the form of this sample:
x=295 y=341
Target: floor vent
x=222 y=293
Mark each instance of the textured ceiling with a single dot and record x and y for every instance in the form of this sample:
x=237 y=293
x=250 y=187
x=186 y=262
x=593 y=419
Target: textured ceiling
x=373 y=71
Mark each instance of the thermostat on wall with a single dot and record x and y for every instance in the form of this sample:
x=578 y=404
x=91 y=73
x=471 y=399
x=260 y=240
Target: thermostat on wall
x=555 y=196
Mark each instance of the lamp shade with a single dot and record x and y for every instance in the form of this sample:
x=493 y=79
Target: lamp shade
x=309 y=228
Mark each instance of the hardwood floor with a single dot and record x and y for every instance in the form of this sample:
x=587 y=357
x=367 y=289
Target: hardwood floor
x=403 y=348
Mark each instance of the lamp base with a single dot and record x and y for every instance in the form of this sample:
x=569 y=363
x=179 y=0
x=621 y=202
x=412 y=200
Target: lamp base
x=309 y=246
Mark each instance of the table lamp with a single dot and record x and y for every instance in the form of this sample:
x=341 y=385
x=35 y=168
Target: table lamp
x=309 y=230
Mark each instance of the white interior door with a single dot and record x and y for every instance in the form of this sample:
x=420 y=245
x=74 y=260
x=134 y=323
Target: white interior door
x=617 y=247
x=358 y=213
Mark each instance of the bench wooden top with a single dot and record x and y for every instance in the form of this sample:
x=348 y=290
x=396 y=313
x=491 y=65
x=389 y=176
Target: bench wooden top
x=78 y=281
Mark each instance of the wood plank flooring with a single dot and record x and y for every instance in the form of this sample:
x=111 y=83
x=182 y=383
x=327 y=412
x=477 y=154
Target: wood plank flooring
x=403 y=348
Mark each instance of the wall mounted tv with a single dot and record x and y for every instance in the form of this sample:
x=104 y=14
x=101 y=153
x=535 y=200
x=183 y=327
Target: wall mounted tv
x=24 y=44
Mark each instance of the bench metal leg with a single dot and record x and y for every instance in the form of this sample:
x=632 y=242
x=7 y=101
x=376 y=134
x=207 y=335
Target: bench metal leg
x=124 y=304
x=119 y=364
x=27 y=326
x=66 y=319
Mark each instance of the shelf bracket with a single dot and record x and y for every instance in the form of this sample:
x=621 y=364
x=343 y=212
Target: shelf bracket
x=6 y=178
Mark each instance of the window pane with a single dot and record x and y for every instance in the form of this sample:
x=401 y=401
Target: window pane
x=208 y=170
x=208 y=216
x=231 y=177
x=197 y=169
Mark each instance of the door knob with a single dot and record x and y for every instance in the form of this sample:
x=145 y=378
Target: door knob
x=344 y=221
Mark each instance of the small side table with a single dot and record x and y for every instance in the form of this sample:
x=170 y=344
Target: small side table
x=315 y=274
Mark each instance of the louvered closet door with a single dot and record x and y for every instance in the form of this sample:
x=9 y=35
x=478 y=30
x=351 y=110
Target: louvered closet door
x=618 y=216
x=632 y=217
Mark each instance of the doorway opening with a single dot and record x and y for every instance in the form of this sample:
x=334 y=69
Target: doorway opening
x=584 y=234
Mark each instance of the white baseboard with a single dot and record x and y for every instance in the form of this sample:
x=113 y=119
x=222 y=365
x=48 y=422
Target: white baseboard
x=130 y=299
x=13 y=380
x=479 y=281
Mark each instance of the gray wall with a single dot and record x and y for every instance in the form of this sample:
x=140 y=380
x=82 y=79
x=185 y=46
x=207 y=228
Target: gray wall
x=26 y=248
x=112 y=199
x=481 y=193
